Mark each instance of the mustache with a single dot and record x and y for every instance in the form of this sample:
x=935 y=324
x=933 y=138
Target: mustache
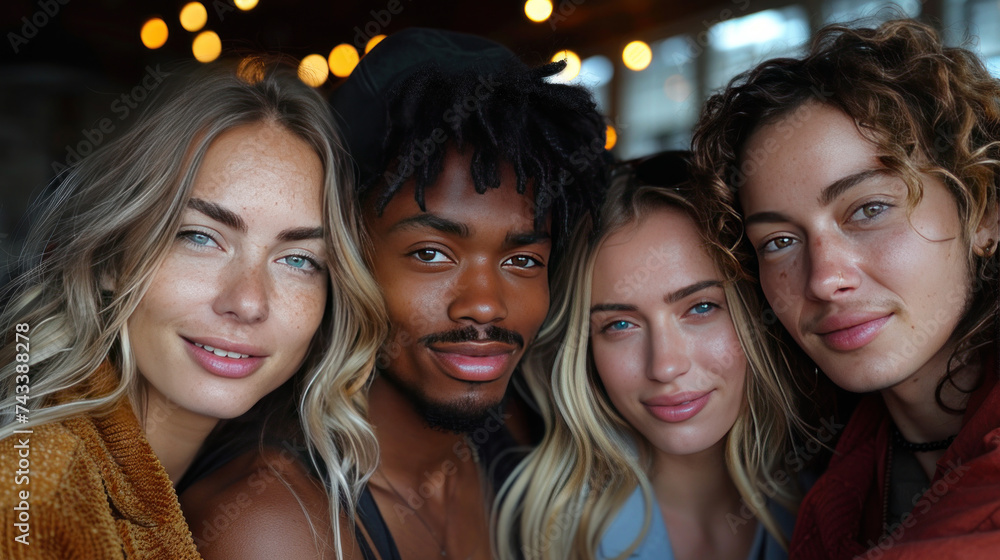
x=471 y=334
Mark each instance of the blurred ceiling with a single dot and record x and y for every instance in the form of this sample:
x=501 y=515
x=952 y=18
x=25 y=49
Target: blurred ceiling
x=102 y=36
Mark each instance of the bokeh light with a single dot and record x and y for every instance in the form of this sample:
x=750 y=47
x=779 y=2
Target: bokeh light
x=206 y=46
x=612 y=138
x=193 y=16
x=372 y=42
x=572 y=68
x=637 y=55
x=343 y=59
x=154 y=33
x=313 y=70
x=246 y=5
x=538 y=10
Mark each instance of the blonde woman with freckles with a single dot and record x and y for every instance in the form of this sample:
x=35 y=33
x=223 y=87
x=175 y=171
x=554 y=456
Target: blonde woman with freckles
x=176 y=277
x=665 y=414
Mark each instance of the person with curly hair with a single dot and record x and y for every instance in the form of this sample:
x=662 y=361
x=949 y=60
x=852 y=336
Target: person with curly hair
x=863 y=182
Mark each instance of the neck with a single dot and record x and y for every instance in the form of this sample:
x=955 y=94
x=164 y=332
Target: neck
x=174 y=434
x=698 y=484
x=913 y=403
x=399 y=426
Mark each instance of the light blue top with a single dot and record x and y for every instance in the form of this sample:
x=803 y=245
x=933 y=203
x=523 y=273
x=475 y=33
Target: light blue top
x=656 y=544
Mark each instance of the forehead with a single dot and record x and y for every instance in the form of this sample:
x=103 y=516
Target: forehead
x=664 y=250
x=254 y=164
x=802 y=151
x=453 y=196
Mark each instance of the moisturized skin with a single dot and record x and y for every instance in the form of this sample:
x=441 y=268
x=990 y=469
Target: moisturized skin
x=466 y=287
x=662 y=339
x=871 y=291
x=246 y=275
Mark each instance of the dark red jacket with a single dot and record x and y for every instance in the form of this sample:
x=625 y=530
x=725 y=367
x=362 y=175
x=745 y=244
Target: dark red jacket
x=958 y=517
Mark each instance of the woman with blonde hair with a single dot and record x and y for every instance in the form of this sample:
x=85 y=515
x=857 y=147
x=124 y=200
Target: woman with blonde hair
x=666 y=418
x=175 y=277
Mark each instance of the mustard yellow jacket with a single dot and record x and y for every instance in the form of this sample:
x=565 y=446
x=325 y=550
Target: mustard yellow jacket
x=89 y=487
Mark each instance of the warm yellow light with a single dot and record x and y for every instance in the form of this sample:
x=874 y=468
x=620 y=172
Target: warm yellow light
x=538 y=10
x=372 y=42
x=154 y=33
x=612 y=138
x=206 y=46
x=343 y=59
x=637 y=55
x=246 y=5
x=572 y=66
x=193 y=16
x=313 y=70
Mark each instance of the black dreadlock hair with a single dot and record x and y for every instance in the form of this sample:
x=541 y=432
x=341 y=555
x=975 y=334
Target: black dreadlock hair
x=551 y=134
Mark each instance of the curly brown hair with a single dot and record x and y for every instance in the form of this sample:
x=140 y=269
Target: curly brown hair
x=929 y=109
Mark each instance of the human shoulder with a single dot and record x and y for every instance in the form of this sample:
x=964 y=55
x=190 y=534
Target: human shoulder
x=263 y=504
x=626 y=528
x=55 y=497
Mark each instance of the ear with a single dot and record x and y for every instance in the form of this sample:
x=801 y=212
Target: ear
x=984 y=241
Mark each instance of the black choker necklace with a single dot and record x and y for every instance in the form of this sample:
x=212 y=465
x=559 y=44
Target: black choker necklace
x=898 y=439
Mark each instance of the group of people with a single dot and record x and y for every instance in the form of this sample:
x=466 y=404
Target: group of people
x=430 y=317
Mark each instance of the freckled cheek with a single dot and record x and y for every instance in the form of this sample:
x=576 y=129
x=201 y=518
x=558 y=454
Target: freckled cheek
x=299 y=311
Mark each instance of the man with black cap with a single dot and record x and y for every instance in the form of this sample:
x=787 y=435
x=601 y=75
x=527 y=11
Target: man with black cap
x=472 y=171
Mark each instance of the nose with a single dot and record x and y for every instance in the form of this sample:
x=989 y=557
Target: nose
x=244 y=292
x=832 y=268
x=668 y=354
x=478 y=295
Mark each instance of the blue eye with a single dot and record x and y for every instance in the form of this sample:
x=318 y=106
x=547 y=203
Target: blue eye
x=197 y=238
x=703 y=308
x=300 y=262
x=615 y=326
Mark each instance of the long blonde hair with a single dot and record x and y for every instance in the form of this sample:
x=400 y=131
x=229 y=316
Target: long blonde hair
x=563 y=497
x=109 y=224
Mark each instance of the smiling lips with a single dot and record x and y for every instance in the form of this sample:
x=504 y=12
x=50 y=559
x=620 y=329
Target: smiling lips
x=474 y=361
x=678 y=407
x=851 y=331
x=225 y=359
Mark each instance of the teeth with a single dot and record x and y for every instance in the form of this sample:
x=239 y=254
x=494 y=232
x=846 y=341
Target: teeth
x=222 y=353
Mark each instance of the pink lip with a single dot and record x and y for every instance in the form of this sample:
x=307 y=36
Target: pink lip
x=233 y=368
x=851 y=332
x=678 y=407
x=474 y=361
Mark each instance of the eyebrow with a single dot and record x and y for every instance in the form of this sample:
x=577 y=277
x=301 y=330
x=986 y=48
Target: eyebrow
x=526 y=238
x=432 y=221
x=672 y=297
x=842 y=185
x=826 y=196
x=218 y=213
x=233 y=220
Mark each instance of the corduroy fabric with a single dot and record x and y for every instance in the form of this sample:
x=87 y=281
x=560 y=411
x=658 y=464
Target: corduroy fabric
x=958 y=517
x=96 y=491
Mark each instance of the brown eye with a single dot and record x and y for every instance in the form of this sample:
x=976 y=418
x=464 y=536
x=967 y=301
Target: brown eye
x=429 y=256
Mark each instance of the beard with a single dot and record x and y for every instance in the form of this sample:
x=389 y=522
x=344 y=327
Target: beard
x=461 y=416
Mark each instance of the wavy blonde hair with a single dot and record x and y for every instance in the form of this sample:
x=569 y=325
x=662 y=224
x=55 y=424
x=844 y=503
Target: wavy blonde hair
x=109 y=225
x=565 y=494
